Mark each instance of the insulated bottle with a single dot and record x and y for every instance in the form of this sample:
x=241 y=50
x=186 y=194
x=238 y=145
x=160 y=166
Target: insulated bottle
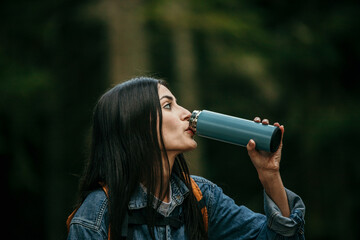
x=235 y=130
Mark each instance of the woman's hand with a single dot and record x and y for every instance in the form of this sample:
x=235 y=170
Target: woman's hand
x=264 y=162
x=268 y=166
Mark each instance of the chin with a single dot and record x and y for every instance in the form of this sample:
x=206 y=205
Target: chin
x=193 y=146
x=188 y=148
x=184 y=148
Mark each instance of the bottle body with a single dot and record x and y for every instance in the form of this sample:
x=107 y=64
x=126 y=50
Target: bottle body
x=235 y=130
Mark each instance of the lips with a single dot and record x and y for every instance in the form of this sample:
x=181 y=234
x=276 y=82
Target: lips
x=190 y=130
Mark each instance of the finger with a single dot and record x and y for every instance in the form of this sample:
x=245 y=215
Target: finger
x=282 y=128
x=257 y=119
x=251 y=147
x=265 y=121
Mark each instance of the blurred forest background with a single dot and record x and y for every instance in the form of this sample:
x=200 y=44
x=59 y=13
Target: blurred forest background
x=296 y=62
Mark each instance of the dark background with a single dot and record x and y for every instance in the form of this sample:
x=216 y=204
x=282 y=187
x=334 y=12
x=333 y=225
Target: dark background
x=293 y=62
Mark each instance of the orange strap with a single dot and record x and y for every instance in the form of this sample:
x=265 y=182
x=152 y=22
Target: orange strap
x=198 y=194
x=70 y=217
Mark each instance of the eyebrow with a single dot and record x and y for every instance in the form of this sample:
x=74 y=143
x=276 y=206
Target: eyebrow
x=168 y=97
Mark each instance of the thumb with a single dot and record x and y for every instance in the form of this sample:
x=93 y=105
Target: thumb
x=251 y=147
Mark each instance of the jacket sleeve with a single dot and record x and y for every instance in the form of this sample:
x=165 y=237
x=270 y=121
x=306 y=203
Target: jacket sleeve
x=227 y=220
x=292 y=226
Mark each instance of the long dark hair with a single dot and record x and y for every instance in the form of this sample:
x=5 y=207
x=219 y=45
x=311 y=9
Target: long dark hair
x=125 y=150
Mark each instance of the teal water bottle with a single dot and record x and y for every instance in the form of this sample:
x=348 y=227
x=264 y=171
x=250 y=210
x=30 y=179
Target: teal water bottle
x=235 y=130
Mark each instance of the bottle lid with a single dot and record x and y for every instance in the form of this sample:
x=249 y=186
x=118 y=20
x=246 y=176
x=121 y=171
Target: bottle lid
x=193 y=119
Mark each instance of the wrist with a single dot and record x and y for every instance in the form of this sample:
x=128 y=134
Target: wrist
x=267 y=177
x=275 y=189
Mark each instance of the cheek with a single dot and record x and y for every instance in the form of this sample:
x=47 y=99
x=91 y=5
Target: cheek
x=169 y=128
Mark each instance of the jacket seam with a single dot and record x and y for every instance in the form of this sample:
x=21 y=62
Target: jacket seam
x=89 y=226
x=92 y=225
x=101 y=213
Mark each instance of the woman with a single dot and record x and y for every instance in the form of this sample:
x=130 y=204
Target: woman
x=139 y=136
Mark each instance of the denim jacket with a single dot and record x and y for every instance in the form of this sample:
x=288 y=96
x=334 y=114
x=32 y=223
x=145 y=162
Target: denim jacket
x=226 y=219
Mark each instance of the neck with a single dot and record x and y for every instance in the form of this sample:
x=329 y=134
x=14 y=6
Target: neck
x=166 y=178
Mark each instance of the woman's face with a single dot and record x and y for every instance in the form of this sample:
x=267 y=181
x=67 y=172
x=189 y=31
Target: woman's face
x=177 y=136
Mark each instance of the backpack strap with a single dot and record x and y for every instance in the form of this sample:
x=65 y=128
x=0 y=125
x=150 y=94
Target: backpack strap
x=201 y=201
x=137 y=217
x=70 y=217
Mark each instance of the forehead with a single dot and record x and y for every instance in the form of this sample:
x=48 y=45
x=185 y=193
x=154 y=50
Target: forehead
x=164 y=91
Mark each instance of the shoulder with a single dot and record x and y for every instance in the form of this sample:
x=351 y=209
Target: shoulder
x=92 y=214
x=208 y=189
x=201 y=181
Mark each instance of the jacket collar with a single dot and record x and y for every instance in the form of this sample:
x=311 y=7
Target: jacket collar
x=178 y=191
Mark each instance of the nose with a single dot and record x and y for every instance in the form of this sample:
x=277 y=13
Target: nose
x=186 y=114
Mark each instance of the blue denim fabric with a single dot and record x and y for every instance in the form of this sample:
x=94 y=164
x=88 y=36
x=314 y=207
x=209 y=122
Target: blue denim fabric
x=226 y=219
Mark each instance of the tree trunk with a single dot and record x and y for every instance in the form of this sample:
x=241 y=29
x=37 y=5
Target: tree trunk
x=127 y=39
